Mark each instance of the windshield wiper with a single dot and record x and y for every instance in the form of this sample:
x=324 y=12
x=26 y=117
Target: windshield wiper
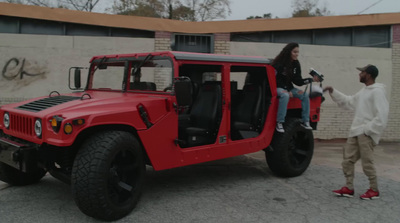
x=147 y=58
x=100 y=63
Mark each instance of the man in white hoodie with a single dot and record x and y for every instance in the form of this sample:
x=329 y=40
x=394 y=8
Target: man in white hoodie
x=371 y=110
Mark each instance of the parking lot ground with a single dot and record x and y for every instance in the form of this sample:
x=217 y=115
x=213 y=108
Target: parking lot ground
x=238 y=189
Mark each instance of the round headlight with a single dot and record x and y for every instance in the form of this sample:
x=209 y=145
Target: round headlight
x=6 y=120
x=38 y=128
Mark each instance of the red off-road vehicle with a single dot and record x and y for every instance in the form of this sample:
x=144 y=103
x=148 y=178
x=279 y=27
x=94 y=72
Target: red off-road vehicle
x=163 y=109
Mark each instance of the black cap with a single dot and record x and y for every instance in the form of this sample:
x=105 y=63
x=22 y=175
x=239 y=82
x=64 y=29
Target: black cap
x=370 y=69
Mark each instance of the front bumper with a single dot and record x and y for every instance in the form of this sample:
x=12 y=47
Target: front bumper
x=20 y=156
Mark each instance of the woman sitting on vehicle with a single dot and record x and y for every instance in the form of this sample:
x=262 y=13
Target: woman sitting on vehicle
x=288 y=72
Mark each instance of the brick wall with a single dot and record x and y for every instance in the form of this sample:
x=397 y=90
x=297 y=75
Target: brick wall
x=396 y=33
x=162 y=41
x=221 y=43
x=393 y=129
x=334 y=122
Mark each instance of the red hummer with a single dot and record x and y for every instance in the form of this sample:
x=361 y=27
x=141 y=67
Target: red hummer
x=163 y=109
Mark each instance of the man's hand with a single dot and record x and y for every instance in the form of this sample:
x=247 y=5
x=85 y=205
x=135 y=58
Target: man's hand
x=328 y=88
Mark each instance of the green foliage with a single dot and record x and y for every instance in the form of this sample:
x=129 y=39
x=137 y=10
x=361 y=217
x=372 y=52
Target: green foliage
x=81 y=5
x=143 y=9
x=265 y=16
x=182 y=13
x=308 y=8
x=188 y=10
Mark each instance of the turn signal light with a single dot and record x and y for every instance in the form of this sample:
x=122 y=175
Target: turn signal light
x=68 y=128
x=78 y=122
x=56 y=123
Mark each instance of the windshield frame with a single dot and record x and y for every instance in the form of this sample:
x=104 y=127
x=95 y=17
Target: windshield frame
x=130 y=63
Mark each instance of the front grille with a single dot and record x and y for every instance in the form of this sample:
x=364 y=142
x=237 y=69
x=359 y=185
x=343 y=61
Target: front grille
x=22 y=124
x=42 y=104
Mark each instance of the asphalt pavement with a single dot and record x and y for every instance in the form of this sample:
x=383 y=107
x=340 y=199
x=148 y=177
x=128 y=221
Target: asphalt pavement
x=238 y=189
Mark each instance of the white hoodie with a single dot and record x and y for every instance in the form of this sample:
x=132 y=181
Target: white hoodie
x=371 y=110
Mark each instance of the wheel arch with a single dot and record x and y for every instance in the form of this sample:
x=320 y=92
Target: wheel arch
x=293 y=113
x=83 y=135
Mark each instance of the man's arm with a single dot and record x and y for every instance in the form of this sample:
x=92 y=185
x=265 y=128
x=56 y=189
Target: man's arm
x=344 y=101
x=328 y=88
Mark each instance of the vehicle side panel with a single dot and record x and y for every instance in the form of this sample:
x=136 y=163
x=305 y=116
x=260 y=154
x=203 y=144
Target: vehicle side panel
x=164 y=153
x=315 y=104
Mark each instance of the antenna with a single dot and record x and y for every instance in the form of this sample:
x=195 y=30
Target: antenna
x=369 y=7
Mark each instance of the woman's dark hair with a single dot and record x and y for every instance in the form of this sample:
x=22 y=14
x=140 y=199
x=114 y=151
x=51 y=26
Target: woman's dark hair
x=284 y=58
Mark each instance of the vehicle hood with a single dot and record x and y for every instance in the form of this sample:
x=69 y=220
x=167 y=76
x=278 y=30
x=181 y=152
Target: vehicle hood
x=92 y=103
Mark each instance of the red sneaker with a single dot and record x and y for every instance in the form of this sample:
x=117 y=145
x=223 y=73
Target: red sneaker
x=370 y=195
x=344 y=192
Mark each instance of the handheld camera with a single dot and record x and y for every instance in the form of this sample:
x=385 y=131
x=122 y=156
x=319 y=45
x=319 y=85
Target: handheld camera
x=316 y=73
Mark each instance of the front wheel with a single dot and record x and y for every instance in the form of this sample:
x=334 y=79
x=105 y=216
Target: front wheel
x=291 y=151
x=108 y=175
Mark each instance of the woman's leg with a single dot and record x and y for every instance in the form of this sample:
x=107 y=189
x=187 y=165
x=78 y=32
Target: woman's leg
x=283 y=96
x=305 y=104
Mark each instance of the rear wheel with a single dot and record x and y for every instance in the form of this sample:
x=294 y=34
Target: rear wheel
x=16 y=177
x=108 y=175
x=291 y=151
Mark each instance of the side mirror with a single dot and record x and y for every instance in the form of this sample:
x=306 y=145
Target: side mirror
x=183 y=91
x=77 y=78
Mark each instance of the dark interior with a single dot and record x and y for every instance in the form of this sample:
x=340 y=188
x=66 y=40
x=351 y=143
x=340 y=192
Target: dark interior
x=250 y=105
x=199 y=123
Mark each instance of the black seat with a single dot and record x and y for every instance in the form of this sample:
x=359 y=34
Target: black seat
x=205 y=116
x=144 y=86
x=247 y=111
x=195 y=90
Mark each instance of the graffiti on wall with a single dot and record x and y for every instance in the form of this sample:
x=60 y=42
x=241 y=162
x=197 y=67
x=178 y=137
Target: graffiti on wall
x=14 y=69
x=19 y=72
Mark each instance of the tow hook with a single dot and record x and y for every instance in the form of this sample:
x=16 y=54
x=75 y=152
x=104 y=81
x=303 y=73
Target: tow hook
x=16 y=156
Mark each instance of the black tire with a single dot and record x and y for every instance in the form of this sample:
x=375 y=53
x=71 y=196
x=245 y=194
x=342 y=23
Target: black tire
x=15 y=177
x=108 y=175
x=292 y=151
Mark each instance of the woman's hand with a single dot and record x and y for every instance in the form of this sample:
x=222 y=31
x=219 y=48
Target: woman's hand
x=290 y=93
x=315 y=78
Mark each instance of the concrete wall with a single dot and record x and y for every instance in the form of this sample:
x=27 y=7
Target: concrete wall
x=43 y=63
x=338 y=66
x=35 y=65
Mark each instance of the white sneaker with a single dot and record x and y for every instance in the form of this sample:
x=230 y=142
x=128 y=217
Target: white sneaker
x=279 y=127
x=306 y=125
